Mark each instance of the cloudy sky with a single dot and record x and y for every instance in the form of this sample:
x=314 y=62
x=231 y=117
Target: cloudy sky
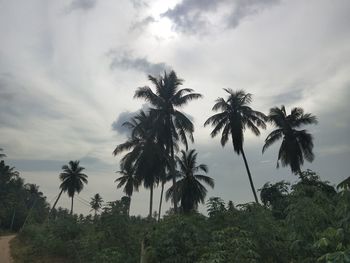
x=69 y=69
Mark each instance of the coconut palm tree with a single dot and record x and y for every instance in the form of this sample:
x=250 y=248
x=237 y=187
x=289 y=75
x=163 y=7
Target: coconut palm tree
x=33 y=193
x=7 y=173
x=172 y=124
x=296 y=144
x=189 y=188
x=234 y=117
x=73 y=180
x=96 y=203
x=2 y=155
x=146 y=156
x=129 y=181
x=345 y=184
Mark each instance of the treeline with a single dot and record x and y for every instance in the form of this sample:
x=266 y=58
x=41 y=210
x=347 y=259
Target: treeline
x=19 y=202
x=305 y=222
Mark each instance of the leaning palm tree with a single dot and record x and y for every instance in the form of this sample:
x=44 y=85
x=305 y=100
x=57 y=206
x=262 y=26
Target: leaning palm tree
x=296 y=144
x=73 y=180
x=172 y=124
x=146 y=155
x=96 y=203
x=189 y=188
x=234 y=117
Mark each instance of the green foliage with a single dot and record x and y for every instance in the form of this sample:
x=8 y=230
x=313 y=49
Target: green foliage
x=19 y=201
x=231 y=245
x=179 y=239
x=307 y=222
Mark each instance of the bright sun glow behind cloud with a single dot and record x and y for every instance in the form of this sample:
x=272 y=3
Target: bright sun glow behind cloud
x=162 y=28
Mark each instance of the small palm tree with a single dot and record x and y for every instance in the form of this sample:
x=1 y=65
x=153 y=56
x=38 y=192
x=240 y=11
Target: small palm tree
x=2 y=155
x=129 y=181
x=73 y=180
x=96 y=203
x=296 y=144
x=234 y=117
x=189 y=188
x=172 y=124
x=345 y=184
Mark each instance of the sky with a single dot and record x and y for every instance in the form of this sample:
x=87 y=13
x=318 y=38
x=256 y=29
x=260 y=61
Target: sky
x=69 y=70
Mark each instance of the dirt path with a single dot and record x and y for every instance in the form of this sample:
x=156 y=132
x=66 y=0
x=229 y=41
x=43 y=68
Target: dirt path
x=5 y=256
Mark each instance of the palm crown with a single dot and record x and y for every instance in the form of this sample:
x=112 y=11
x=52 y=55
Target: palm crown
x=129 y=181
x=96 y=203
x=165 y=101
x=296 y=144
x=73 y=179
x=234 y=117
x=189 y=188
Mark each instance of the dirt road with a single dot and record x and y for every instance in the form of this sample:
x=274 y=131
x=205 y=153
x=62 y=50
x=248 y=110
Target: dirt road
x=5 y=256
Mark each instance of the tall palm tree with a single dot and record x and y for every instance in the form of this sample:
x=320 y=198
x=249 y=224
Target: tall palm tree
x=96 y=203
x=234 y=117
x=296 y=144
x=129 y=181
x=189 y=188
x=73 y=180
x=172 y=124
x=146 y=155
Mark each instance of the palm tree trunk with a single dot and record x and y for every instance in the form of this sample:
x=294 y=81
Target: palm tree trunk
x=129 y=206
x=160 y=201
x=151 y=202
x=58 y=197
x=173 y=174
x=71 y=208
x=249 y=176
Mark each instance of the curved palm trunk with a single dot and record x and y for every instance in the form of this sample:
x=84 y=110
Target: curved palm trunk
x=151 y=202
x=249 y=176
x=71 y=208
x=160 y=202
x=58 y=197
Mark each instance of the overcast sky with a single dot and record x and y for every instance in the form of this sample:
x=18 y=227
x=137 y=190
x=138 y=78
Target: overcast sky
x=69 y=69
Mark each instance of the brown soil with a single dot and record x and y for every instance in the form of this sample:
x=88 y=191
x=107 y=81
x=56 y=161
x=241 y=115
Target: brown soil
x=5 y=256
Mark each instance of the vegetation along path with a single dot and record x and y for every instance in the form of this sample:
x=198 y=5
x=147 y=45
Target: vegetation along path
x=5 y=256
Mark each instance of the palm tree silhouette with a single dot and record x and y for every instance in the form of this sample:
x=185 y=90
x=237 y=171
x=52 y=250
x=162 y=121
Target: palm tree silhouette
x=345 y=184
x=172 y=124
x=129 y=181
x=296 y=144
x=96 y=203
x=2 y=155
x=234 y=117
x=7 y=173
x=73 y=180
x=146 y=156
x=189 y=188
